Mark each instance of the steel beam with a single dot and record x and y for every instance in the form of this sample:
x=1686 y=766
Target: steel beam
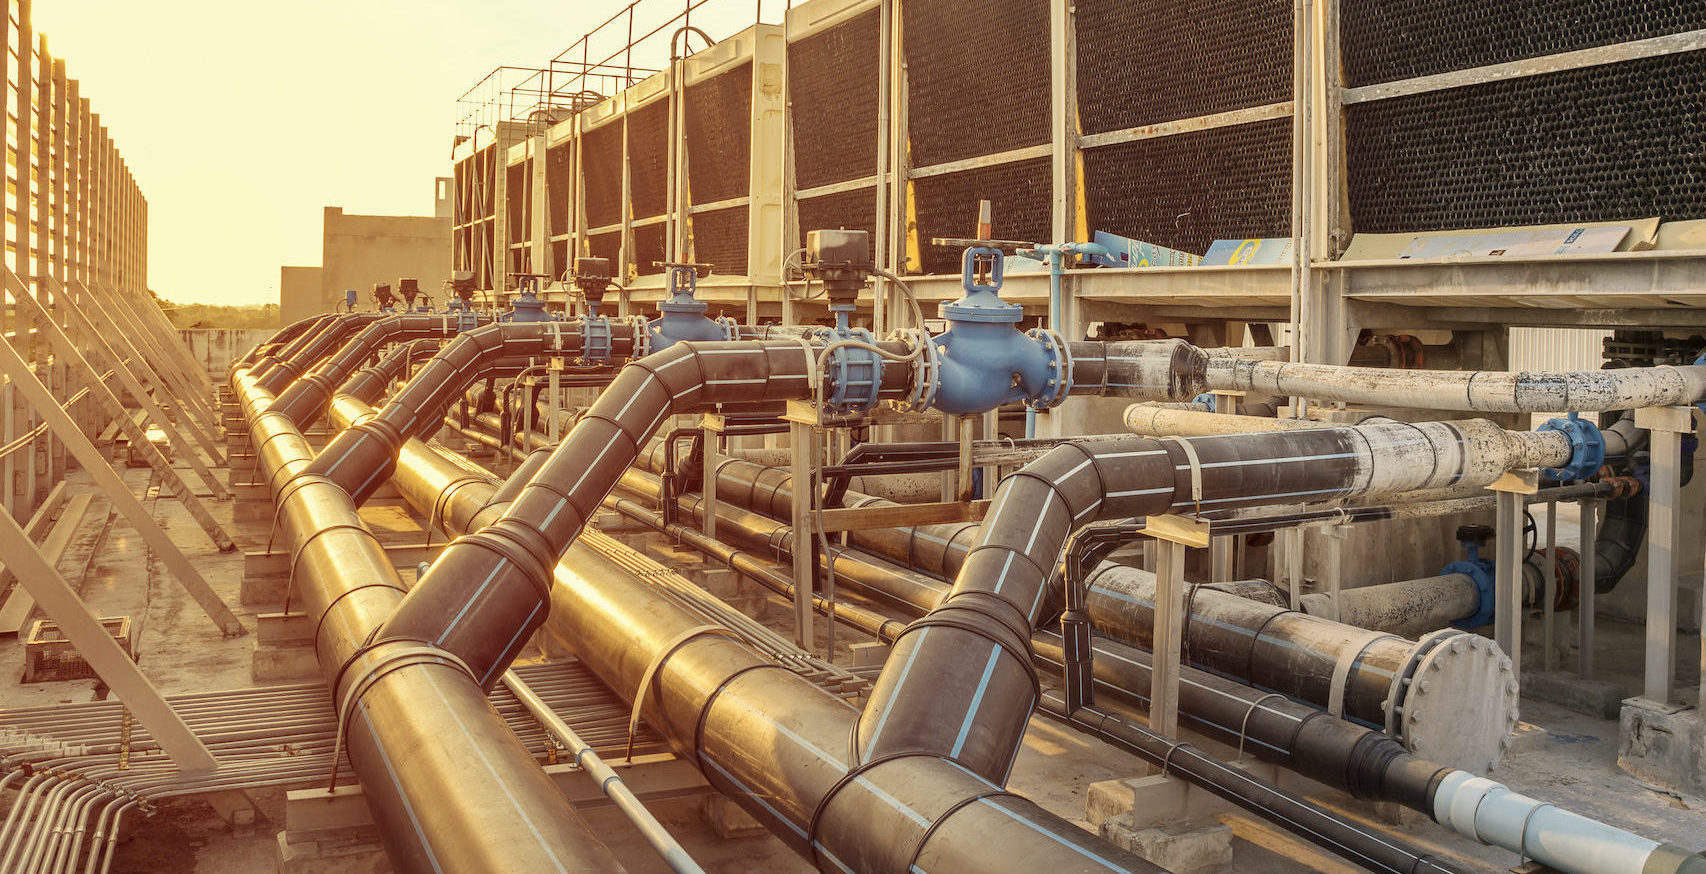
x=13 y=365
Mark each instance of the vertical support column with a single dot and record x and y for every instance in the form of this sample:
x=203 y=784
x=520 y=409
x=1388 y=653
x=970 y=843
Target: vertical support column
x=627 y=248
x=1666 y=426
x=1549 y=593
x=1507 y=576
x=767 y=171
x=23 y=213
x=803 y=444
x=1588 y=530
x=713 y=461
x=52 y=451
x=1171 y=534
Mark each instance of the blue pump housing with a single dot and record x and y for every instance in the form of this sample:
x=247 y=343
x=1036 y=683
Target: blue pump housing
x=984 y=360
x=681 y=317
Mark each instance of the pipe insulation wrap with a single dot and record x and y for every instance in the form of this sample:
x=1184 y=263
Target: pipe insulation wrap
x=1477 y=391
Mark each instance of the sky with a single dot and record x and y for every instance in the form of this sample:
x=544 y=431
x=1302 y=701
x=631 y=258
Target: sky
x=242 y=120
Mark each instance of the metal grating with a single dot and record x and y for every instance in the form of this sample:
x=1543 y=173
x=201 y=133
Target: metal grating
x=1234 y=54
x=648 y=249
x=832 y=86
x=601 y=172
x=1020 y=196
x=559 y=174
x=719 y=135
x=977 y=84
x=648 y=158
x=719 y=239
x=560 y=264
x=1387 y=40
x=1187 y=190
x=849 y=210
x=1622 y=141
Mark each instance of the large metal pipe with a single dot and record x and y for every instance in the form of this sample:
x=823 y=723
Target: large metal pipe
x=278 y=339
x=761 y=734
x=1476 y=391
x=415 y=725
x=288 y=367
x=305 y=399
x=284 y=348
x=1150 y=420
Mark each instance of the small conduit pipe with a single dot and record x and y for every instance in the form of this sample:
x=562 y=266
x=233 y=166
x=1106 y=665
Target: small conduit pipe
x=450 y=786
x=1475 y=391
x=305 y=399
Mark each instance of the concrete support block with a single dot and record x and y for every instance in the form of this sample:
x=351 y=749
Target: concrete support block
x=1183 y=848
x=263 y=590
x=729 y=819
x=272 y=664
x=1663 y=744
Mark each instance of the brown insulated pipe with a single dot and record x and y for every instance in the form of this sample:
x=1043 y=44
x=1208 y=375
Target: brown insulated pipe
x=305 y=399
x=279 y=338
x=262 y=361
x=369 y=384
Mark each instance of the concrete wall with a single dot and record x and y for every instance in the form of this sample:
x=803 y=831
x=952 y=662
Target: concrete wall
x=360 y=250
x=299 y=293
x=216 y=348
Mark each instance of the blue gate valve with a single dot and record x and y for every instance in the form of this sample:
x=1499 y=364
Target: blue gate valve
x=681 y=317
x=1478 y=570
x=982 y=360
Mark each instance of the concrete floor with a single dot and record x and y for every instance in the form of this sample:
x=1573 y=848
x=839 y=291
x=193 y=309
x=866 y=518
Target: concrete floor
x=1572 y=764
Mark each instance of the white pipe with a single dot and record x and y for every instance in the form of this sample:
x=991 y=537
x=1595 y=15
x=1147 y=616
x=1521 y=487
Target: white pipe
x=1491 y=813
x=1155 y=420
x=1478 y=391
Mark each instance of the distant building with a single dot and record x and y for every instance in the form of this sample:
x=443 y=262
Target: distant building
x=360 y=250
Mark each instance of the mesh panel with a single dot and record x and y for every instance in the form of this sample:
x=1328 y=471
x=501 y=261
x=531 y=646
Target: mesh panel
x=559 y=164
x=648 y=158
x=719 y=135
x=1235 y=54
x=832 y=84
x=954 y=60
x=608 y=246
x=719 y=239
x=1386 y=40
x=601 y=173
x=1622 y=141
x=560 y=263
x=849 y=210
x=517 y=200
x=1020 y=198
x=1188 y=190
x=648 y=247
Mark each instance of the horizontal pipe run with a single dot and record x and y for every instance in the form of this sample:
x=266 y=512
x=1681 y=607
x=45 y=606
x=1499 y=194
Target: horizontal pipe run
x=1473 y=391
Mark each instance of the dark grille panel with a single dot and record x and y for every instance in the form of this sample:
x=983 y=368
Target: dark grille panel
x=1622 y=141
x=1137 y=67
x=832 y=83
x=1386 y=40
x=601 y=170
x=719 y=239
x=1187 y=190
x=849 y=210
x=977 y=77
x=719 y=135
x=609 y=246
x=648 y=247
x=559 y=177
x=1019 y=194
x=648 y=158
x=517 y=199
x=560 y=263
